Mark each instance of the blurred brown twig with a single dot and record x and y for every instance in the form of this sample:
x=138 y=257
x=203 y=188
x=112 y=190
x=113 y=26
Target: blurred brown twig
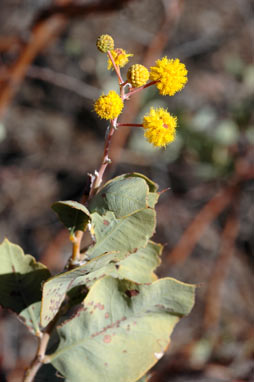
x=46 y=28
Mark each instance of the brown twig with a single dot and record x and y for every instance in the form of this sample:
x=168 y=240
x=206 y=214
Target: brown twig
x=219 y=273
x=47 y=26
x=41 y=36
x=64 y=81
x=244 y=172
x=198 y=225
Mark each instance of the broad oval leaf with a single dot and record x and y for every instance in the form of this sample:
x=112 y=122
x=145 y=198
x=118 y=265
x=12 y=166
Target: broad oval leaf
x=75 y=216
x=121 y=196
x=137 y=267
x=153 y=187
x=21 y=279
x=125 y=194
x=115 y=239
x=122 y=331
x=55 y=289
x=125 y=234
x=140 y=265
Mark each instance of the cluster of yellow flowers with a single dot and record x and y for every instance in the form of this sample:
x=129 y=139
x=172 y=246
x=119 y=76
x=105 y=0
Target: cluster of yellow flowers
x=168 y=75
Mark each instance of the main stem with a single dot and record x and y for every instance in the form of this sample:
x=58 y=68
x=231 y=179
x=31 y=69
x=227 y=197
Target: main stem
x=105 y=160
x=38 y=360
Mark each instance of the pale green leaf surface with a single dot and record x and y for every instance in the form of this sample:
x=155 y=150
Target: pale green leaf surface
x=152 y=199
x=21 y=279
x=139 y=266
x=73 y=215
x=55 y=289
x=121 y=196
x=121 y=324
x=153 y=187
x=115 y=238
x=125 y=234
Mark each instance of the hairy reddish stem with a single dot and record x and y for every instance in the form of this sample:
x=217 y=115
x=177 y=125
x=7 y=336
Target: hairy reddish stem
x=116 y=67
x=136 y=90
x=130 y=124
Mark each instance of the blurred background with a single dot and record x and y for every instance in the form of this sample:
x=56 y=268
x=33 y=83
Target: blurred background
x=50 y=75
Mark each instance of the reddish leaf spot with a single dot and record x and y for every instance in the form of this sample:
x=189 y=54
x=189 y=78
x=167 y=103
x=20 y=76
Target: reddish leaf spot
x=106 y=315
x=106 y=222
x=160 y=306
x=105 y=364
x=124 y=351
x=107 y=339
x=132 y=292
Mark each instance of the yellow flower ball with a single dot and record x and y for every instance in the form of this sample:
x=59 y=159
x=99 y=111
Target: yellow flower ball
x=120 y=57
x=170 y=75
x=108 y=106
x=160 y=127
x=105 y=43
x=138 y=75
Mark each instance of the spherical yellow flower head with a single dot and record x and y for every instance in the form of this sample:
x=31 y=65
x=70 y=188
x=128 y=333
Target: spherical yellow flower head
x=138 y=75
x=108 y=106
x=105 y=43
x=120 y=57
x=159 y=127
x=171 y=75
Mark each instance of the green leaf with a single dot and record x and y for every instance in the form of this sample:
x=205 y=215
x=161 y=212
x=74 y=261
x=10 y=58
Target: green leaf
x=121 y=196
x=122 y=331
x=139 y=266
x=21 y=278
x=153 y=187
x=152 y=199
x=125 y=194
x=55 y=289
x=124 y=235
x=75 y=216
x=115 y=239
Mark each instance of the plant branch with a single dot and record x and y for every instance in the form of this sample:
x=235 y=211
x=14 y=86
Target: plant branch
x=196 y=228
x=76 y=243
x=130 y=124
x=219 y=273
x=136 y=90
x=105 y=160
x=41 y=350
x=46 y=28
x=38 y=360
x=64 y=81
x=116 y=67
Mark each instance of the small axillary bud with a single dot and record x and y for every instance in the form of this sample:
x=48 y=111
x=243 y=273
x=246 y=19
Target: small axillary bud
x=105 y=43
